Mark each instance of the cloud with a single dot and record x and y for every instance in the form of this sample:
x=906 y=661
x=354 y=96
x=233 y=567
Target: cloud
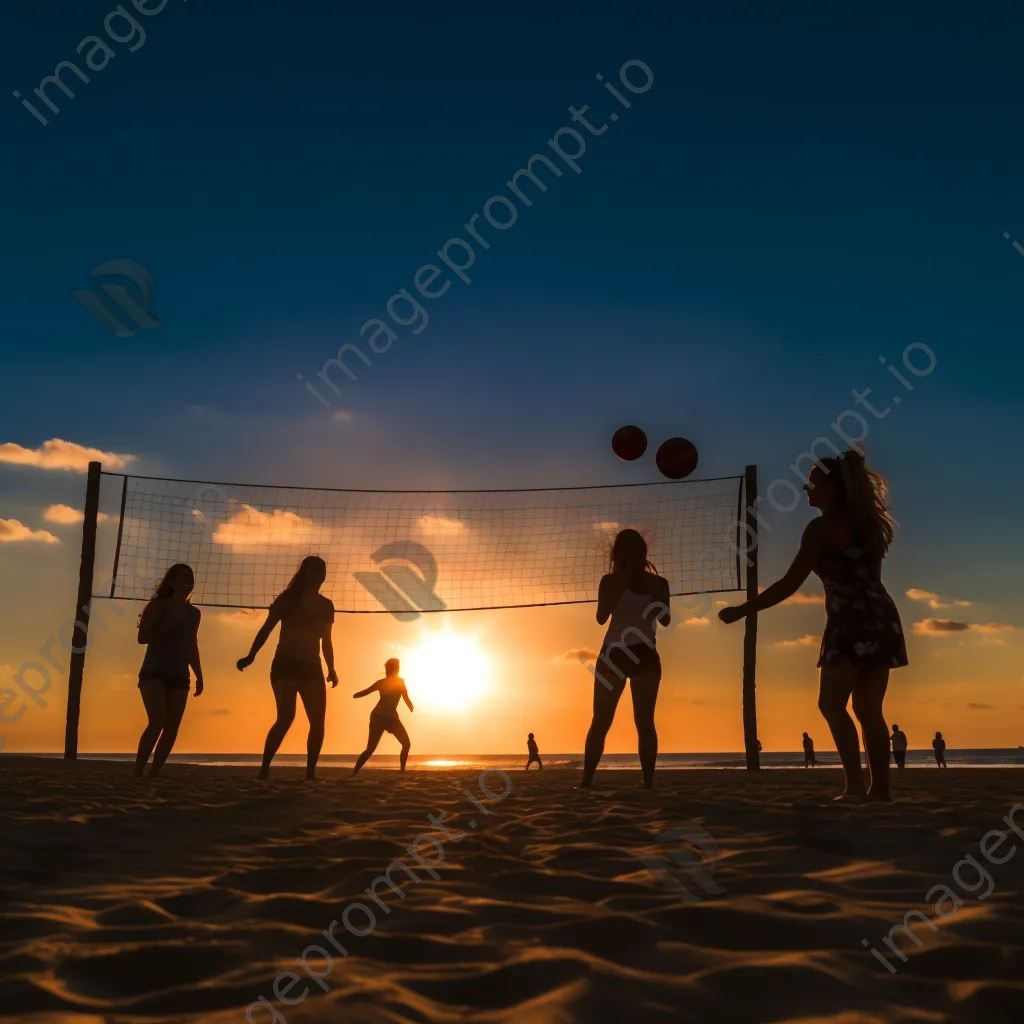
x=697 y=620
x=250 y=528
x=807 y=640
x=247 y=617
x=13 y=532
x=607 y=526
x=944 y=627
x=65 y=515
x=579 y=654
x=440 y=525
x=934 y=600
x=59 y=454
x=980 y=707
x=343 y=415
x=800 y=597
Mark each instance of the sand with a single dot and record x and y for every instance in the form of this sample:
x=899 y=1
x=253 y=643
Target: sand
x=184 y=898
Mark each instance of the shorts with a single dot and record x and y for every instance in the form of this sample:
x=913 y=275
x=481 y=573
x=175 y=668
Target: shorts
x=172 y=682
x=616 y=665
x=290 y=670
x=386 y=722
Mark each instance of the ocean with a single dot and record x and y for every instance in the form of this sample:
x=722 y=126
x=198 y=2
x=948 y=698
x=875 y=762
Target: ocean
x=985 y=757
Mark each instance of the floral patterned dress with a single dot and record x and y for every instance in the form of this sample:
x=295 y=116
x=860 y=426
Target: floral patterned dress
x=862 y=624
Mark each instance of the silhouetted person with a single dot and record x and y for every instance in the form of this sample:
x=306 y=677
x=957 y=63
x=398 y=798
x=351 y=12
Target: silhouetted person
x=169 y=626
x=534 y=754
x=863 y=636
x=384 y=717
x=636 y=599
x=899 y=747
x=306 y=618
x=809 y=751
x=939 y=746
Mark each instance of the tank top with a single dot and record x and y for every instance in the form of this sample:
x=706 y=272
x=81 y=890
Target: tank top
x=170 y=654
x=628 y=624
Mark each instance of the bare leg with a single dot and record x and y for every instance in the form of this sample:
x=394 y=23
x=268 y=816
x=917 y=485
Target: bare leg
x=176 y=701
x=605 y=703
x=284 y=696
x=376 y=731
x=837 y=682
x=867 y=706
x=153 y=696
x=403 y=737
x=644 y=690
x=314 y=702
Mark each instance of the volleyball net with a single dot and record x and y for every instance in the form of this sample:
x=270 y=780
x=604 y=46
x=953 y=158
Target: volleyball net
x=406 y=552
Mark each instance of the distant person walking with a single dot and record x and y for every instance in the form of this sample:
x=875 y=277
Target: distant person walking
x=169 y=626
x=531 y=746
x=384 y=717
x=636 y=599
x=809 y=752
x=939 y=746
x=863 y=636
x=306 y=618
x=899 y=747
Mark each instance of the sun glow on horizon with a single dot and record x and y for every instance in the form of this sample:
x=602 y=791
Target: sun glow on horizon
x=447 y=672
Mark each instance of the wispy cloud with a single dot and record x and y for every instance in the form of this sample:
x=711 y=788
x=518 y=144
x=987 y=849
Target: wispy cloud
x=697 y=620
x=808 y=640
x=947 y=627
x=59 y=454
x=343 y=415
x=980 y=707
x=247 y=617
x=440 y=526
x=65 y=515
x=935 y=600
x=578 y=654
x=13 y=532
x=800 y=597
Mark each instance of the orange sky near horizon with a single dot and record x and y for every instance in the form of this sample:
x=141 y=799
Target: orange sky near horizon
x=533 y=682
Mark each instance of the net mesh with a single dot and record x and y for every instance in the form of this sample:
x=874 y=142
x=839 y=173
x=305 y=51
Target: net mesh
x=405 y=552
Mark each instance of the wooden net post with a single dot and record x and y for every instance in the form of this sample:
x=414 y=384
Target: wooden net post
x=80 y=637
x=750 y=627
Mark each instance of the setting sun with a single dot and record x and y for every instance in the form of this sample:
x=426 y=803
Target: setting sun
x=446 y=672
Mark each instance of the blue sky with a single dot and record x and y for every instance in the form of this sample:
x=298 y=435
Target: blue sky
x=797 y=194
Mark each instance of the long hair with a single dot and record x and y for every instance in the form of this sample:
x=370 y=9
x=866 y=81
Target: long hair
x=864 y=498
x=163 y=588
x=629 y=545
x=312 y=568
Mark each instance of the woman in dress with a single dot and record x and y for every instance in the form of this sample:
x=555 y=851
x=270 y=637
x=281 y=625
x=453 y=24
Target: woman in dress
x=306 y=618
x=863 y=636
x=636 y=599
x=169 y=626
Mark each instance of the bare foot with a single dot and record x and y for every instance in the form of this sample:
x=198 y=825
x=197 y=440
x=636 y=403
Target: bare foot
x=263 y=775
x=850 y=798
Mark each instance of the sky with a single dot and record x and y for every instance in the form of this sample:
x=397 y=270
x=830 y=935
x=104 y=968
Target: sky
x=789 y=199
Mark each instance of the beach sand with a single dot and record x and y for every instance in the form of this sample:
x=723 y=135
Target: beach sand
x=183 y=898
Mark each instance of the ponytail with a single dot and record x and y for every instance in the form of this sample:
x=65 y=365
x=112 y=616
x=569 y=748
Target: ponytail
x=865 y=496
